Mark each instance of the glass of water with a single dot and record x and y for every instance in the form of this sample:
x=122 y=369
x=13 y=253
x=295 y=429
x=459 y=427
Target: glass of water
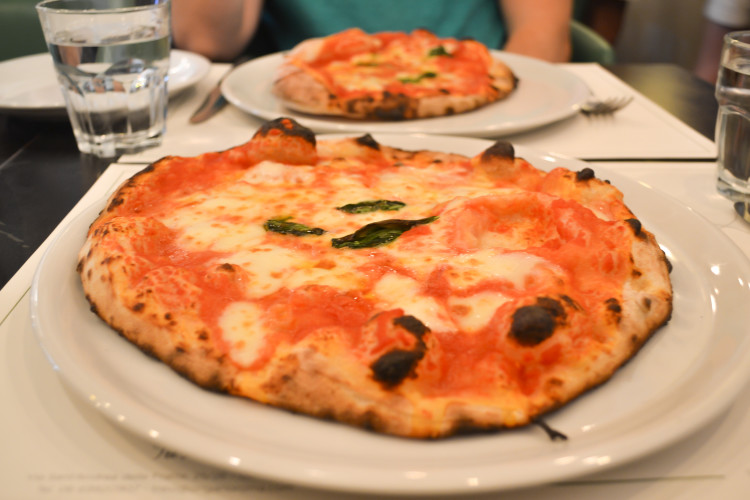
x=112 y=63
x=733 y=123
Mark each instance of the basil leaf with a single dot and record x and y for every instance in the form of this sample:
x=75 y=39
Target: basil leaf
x=364 y=207
x=285 y=226
x=417 y=79
x=439 y=51
x=378 y=233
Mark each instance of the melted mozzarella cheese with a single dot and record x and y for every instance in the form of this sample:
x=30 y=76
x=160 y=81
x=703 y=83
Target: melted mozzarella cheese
x=269 y=173
x=462 y=271
x=220 y=236
x=269 y=267
x=341 y=277
x=475 y=312
x=241 y=324
x=470 y=269
x=400 y=291
x=431 y=184
x=214 y=223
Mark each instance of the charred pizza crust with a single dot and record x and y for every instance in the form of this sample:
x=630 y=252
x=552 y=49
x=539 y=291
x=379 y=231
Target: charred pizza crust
x=352 y=87
x=549 y=340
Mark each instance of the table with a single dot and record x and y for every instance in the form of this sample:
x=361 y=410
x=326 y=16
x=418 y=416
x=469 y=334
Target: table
x=81 y=455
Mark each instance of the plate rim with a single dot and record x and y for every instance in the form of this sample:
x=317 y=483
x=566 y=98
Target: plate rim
x=323 y=124
x=199 y=62
x=698 y=416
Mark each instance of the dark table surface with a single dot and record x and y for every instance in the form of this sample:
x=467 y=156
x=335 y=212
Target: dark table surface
x=42 y=174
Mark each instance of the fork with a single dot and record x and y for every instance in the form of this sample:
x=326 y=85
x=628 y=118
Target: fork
x=604 y=106
x=743 y=209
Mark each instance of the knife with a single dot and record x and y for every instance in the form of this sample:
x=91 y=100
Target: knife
x=212 y=104
x=215 y=100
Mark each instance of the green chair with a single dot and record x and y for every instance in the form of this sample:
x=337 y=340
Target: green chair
x=20 y=31
x=588 y=46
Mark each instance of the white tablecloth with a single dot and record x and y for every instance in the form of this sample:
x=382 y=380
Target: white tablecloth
x=643 y=130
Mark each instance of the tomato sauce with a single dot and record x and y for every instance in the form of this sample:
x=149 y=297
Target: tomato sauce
x=294 y=314
x=182 y=176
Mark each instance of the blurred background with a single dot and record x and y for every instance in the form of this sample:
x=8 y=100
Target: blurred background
x=658 y=31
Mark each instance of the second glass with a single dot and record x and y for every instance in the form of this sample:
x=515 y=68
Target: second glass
x=733 y=124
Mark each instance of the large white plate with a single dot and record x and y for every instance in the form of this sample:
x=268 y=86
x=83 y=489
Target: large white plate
x=546 y=93
x=28 y=85
x=687 y=374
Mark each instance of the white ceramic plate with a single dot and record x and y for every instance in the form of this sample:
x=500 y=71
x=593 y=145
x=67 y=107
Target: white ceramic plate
x=546 y=94
x=28 y=85
x=687 y=374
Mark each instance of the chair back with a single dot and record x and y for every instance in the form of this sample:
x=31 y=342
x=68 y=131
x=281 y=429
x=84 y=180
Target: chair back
x=589 y=46
x=20 y=30
x=21 y=35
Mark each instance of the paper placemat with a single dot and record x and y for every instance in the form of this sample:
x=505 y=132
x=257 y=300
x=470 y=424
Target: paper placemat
x=643 y=130
x=56 y=445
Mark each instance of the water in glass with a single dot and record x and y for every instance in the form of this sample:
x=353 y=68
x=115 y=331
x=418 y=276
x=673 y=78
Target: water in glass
x=115 y=87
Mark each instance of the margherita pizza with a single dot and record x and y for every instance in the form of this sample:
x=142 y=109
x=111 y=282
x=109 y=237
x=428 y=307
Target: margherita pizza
x=390 y=76
x=415 y=293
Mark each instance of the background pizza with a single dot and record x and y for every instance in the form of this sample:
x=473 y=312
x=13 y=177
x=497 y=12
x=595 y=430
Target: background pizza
x=390 y=76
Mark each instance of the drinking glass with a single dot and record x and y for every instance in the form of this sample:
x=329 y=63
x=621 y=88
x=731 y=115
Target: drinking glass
x=112 y=64
x=733 y=123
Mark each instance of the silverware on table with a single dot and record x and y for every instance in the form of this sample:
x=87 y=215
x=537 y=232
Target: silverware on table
x=743 y=209
x=215 y=100
x=213 y=103
x=605 y=106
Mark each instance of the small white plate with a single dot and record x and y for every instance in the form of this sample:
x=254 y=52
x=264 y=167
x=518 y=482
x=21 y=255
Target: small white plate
x=686 y=375
x=546 y=93
x=28 y=85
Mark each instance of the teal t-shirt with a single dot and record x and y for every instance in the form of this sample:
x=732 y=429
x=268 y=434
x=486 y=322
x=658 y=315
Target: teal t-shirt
x=288 y=22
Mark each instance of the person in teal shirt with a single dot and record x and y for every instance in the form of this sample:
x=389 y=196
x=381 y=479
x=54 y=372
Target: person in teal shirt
x=225 y=29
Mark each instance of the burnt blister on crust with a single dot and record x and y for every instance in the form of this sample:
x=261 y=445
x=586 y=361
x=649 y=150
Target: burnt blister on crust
x=116 y=202
x=288 y=127
x=227 y=267
x=394 y=107
x=585 y=174
x=394 y=366
x=533 y=324
x=150 y=168
x=570 y=302
x=668 y=264
x=368 y=141
x=637 y=227
x=501 y=149
x=412 y=325
x=132 y=182
x=614 y=307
